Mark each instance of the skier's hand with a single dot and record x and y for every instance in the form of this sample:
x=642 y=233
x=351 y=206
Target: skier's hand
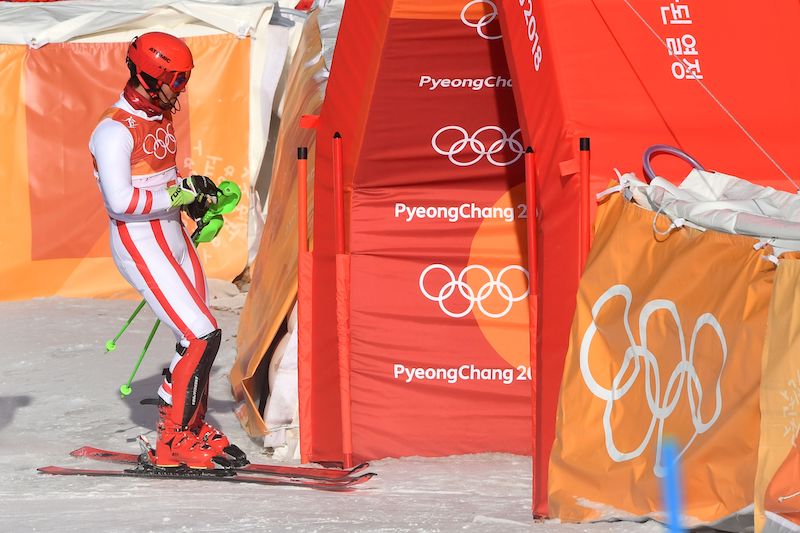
x=201 y=185
x=179 y=196
x=197 y=209
x=196 y=192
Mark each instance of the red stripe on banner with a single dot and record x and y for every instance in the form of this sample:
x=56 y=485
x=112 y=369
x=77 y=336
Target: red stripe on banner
x=199 y=282
x=162 y=243
x=148 y=202
x=134 y=202
x=127 y=242
x=167 y=387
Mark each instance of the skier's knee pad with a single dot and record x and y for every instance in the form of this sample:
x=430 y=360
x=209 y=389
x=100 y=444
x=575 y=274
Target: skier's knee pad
x=190 y=376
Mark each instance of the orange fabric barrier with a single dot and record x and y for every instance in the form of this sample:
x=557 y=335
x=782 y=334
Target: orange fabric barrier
x=777 y=491
x=658 y=350
x=596 y=69
x=58 y=245
x=274 y=272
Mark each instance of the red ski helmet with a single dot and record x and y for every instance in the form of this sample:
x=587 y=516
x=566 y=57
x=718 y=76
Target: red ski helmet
x=157 y=59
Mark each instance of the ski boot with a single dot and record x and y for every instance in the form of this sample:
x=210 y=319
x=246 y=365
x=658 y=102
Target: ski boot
x=215 y=438
x=179 y=446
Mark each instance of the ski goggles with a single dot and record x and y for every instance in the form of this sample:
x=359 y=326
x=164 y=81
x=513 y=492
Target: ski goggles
x=176 y=80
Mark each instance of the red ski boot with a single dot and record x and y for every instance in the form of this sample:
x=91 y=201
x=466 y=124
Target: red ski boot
x=215 y=438
x=178 y=445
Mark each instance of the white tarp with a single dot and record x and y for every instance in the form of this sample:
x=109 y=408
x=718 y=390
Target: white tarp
x=38 y=24
x=281 y=410
x=713 y=200
x=329 y=17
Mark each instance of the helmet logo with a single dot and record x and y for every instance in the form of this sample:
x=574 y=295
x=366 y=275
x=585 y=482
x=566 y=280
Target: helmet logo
x=159 y=54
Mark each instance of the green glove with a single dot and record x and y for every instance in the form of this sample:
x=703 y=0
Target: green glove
x=179 y=196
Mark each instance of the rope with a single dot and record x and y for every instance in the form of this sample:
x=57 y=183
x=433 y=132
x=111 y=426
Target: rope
x=717 y=101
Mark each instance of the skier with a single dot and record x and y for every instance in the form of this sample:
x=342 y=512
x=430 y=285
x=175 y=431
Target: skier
x=133 y=148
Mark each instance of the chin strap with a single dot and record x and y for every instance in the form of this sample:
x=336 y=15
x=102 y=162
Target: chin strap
x=173 y=108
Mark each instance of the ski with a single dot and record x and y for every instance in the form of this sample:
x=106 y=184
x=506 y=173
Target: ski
x=211 y=475
x=304 y=472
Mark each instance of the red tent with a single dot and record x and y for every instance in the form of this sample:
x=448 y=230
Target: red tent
x=430 y=356
x=709 y=77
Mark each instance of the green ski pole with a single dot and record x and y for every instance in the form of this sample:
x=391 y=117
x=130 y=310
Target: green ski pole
x=112 y=344
x=126 y=389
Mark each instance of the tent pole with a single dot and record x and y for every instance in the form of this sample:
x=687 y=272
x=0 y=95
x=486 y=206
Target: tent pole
x=533 y=312
x=302 y=199
x=585 y=206
x=302 y=309
x=338 y=191
x=342 y=302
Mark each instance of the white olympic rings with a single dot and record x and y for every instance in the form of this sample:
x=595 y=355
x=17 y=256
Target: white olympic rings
x=479 y=147
x=161 y=143
x=683 y=374
x=482 y=22
x=472 y=296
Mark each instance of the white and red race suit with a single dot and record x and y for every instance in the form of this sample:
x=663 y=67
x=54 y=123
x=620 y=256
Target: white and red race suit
x=134 y=162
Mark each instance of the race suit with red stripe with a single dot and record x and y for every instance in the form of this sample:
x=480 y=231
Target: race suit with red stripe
x=134 y=163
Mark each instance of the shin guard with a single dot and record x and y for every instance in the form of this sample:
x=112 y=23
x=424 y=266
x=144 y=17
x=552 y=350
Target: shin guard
x=190 y=377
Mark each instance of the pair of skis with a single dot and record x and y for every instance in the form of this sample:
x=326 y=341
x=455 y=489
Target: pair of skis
x=262 y=474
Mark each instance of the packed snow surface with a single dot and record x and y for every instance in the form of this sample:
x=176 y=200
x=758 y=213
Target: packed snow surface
x=59 y=391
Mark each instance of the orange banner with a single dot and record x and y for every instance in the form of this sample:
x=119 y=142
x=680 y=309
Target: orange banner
x=665 y=344
x=778 y=481
x=58 y=244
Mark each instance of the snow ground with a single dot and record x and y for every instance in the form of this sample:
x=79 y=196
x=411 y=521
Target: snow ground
x=58 y=391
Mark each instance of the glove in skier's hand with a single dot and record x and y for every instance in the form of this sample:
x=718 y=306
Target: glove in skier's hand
x=201 y=185
x=194 y=192
x=179 y=196
x=206 y=192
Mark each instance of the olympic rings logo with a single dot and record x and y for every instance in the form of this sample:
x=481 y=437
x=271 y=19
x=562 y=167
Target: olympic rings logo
x=478 y=146
x=469 y=294
x=641 y=358
x=482 y=22
x=160 y=144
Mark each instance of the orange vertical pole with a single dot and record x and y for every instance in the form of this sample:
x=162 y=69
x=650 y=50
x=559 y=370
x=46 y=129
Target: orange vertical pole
x=533 y=311
x=338 y=192
x=585 y=206
x=302 y=199
x=342 y=302
x=305 y=275
x=303 y=312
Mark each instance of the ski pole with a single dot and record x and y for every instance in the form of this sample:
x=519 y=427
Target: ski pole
x=112 y=344
x=126 y=389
